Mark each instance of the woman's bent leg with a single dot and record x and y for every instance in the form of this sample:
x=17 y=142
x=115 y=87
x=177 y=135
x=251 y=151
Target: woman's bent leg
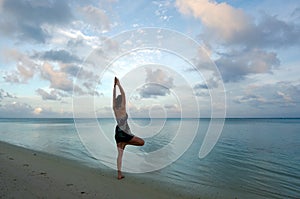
x=136 y=141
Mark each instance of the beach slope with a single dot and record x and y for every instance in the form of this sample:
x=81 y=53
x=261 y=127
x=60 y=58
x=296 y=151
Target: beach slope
x=30 y=174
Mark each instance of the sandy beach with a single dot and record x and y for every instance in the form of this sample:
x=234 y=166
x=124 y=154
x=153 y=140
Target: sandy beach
x=30 y=174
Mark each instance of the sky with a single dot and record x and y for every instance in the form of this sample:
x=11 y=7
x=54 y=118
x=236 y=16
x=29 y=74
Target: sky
x=180 y=58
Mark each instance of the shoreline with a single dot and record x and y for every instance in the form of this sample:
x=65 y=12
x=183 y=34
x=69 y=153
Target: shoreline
x=27 y=173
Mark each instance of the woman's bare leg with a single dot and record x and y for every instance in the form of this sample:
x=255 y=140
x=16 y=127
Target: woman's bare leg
x=136 y=141
x=121 y=147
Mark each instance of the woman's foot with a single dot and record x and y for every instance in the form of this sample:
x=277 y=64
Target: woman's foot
x=120 y=176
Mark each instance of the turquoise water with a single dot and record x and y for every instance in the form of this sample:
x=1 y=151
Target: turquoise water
x=253 y=158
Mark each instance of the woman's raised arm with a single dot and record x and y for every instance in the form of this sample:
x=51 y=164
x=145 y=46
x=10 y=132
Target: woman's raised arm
x=123 y=105
x=114 y=95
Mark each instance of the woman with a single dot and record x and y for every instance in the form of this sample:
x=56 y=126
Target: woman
x=123 y=135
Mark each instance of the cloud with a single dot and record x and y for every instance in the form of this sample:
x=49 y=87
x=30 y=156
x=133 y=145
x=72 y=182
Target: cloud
x=203 y=88
x=289 y=92
x=57 y=55
x=153 y=90
x=281 y=94
x=37 y=111
x=252 y=99
x=24 y=110
x=96 y=17
x=60 y=75
x=212 y=82
x=25 y=69
x=270 y=32
x=236 y=65
x=71 y=69
x=232 y=26
x=5 y=94
x=159 y=76
x=15 y=109
x=173 y=110
x=219 y=18
x=25 y=19
x=153 y=110
x=53 y=95
x=158 y=83
x=86 y=80
x=162 y=10
x=76 y=39
x=245 y=41
x=296 y=13
x=61 y=80
x=286 y=97
x=57 y=78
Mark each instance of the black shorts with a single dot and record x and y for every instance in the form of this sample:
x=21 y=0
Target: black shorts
x=121 y=136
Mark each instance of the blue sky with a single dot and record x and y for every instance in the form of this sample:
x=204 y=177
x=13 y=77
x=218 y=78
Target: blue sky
x=45 y=44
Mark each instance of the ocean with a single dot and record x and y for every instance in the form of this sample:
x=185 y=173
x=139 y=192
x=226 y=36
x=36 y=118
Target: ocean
x=253 y=158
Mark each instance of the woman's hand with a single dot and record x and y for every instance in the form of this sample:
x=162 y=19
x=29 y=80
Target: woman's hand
x=116 y=81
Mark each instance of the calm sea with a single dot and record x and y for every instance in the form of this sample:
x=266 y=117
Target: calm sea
x=253 y=158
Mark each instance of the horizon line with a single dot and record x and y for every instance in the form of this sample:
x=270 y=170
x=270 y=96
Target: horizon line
x=151 y=118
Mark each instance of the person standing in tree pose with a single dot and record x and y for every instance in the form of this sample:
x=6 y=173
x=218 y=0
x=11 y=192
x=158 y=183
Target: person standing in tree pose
x=123 y=135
